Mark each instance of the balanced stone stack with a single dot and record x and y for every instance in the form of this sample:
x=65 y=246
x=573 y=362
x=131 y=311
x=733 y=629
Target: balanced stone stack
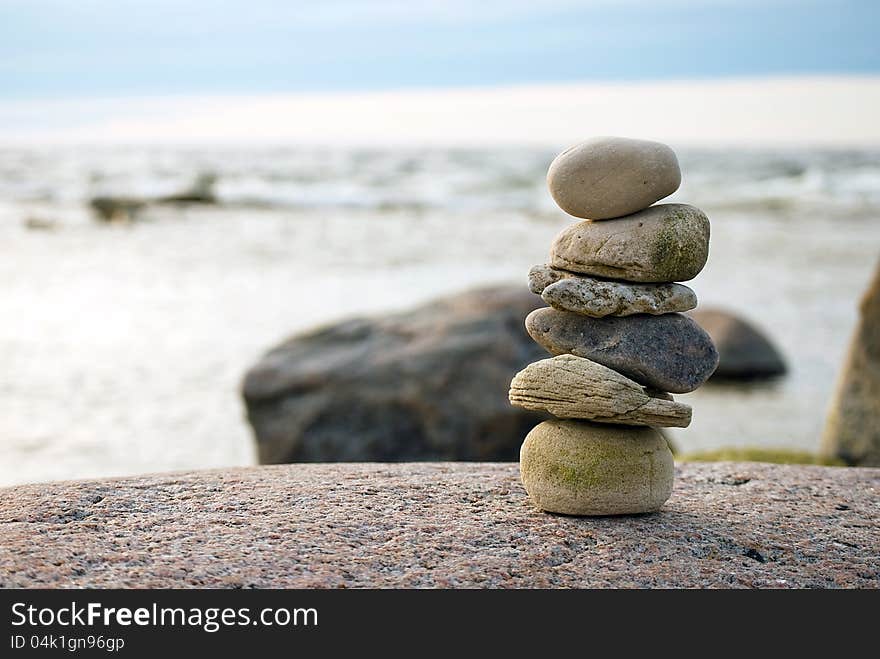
x=616 y=328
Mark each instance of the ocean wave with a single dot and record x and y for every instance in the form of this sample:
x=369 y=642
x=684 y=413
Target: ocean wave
x=453 y=181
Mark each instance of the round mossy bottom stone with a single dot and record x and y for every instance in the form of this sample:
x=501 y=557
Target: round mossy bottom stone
x=583 y=468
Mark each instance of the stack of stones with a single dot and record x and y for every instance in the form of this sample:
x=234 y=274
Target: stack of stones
x=615 y=326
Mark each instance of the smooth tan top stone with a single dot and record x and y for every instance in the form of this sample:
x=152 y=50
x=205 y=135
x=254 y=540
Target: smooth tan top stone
x=665 y=243
x=583 y=468
x=607 y=177
x=598 y=298
x=572 y=387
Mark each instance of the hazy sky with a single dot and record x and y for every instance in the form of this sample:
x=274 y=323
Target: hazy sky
x=112 y=48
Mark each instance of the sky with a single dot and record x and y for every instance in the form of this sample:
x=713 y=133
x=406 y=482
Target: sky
x=453 y=70
x=83 y=48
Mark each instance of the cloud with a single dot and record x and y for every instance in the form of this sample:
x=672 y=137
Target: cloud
x=764 y=111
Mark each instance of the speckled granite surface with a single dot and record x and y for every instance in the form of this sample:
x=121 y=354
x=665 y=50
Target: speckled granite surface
x=438 y=525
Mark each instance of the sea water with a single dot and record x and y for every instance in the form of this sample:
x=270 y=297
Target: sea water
x=123 y=346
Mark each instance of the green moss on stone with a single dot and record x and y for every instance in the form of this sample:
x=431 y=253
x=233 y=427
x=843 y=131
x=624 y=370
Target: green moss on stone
x=580 y=470
x=677 y=252
x=576 y=478
x=668 y=255
x=752 y=454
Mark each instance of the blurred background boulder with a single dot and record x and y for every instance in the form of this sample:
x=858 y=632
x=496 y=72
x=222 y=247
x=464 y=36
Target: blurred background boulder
x=126 y=208
x=744 y=352
x=852 y=431
x=425 y=384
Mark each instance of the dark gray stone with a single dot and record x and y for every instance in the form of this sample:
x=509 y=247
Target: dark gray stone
x=427 y=384
x=669 y=352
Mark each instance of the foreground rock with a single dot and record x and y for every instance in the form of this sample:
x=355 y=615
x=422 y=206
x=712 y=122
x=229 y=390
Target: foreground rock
x=668 y=352
x=665 y=243
x=744 y=353
x=583 y=468
x=427 y=384
x=852 y=431
x=602 y=297
x=608 y=177
x=728 y=525
x=570 y=387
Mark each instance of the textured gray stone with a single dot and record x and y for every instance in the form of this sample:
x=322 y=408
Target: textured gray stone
x=727 y=525
x=665 y=243
x=852 y=431
x=427 y=384
x=541 y=276
x=602 y=297
x=583 y=468
x=669 y=352
x=570 y=387
x=608 y=177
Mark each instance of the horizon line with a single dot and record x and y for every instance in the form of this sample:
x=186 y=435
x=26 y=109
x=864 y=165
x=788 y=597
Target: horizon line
x=832 y=110
x=440 y=89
